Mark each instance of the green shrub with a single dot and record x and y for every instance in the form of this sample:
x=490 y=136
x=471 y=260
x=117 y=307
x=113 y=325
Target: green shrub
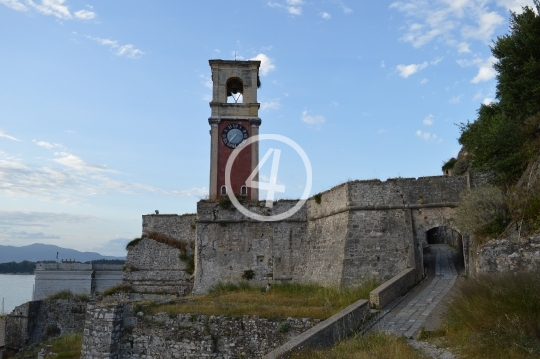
x=284 y=327
x=483 y=211
x=248 y=274
x=318 y=198
x=117 y=289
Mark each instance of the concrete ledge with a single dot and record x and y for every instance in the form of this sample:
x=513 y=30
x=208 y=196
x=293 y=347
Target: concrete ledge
x=393 y=288
x=336 y=328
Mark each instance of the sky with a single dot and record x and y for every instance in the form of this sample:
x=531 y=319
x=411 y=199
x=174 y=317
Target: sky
x=104 y=105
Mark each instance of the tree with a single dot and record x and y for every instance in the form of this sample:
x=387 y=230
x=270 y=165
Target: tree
x=518 y=66
x=502 y=139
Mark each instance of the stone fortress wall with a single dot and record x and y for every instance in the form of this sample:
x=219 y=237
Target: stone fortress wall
x=79 y=278
x=354 y=232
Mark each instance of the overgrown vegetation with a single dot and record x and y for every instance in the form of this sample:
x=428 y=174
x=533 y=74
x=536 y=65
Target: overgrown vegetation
x=282 y=301
x=161 y=238
x=448 y=165
x=66 y=347
x=117 y=289
x=67 y=294
x=318 y=198
x=372 y=346
x=504 y=137
x=495 y=316
x=483 y=211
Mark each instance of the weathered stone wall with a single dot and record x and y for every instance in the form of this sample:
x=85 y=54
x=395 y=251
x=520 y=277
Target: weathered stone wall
x=181 y=227
x=390 y=290
x=201 y=336
x=509 y=256
x=353 y=232
x=2 y=332
x=154 y=267
x=103 y=327
x=41 y=320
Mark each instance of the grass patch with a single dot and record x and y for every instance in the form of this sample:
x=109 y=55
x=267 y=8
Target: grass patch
x=285 y=300
x=161 y=238
x=496 y=316
x=66 y=347
x=372 y=345
x=117 y=289
x=67 y=294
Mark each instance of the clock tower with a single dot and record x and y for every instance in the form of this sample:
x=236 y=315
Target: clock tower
x=234 y=119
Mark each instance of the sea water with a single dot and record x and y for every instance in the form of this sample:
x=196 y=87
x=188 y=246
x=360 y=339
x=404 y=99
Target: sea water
x=15 y=289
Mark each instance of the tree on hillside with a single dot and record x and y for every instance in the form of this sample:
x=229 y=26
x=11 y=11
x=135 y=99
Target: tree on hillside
x=502 y=139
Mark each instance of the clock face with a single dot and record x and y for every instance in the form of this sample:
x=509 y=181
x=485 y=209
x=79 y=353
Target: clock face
x=233 y=135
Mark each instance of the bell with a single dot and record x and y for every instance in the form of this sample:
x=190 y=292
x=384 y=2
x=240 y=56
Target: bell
x=234 y=86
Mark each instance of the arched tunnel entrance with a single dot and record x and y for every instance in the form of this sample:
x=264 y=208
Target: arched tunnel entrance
x=444 y=235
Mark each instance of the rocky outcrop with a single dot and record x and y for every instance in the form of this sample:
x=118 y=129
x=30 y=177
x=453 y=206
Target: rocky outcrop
x=509 y=255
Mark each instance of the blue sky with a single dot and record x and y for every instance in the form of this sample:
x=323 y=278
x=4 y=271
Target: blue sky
x=104 y=105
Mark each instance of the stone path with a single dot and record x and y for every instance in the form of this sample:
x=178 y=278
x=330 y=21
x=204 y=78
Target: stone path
x=407 y=319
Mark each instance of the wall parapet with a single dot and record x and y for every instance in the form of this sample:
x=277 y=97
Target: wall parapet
x=336 y=328
x=393 y=288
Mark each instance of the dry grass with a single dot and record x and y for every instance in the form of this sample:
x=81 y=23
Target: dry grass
x=161 y=238
x=495 y=316
x=290 y=300
x=66 y=347
x=372 y=346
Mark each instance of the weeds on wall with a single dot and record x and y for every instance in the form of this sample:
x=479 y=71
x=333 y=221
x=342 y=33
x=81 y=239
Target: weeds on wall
x=161 y=238
x=121 y=288
x=318 y=198
x=248 y=274
x=67 y=294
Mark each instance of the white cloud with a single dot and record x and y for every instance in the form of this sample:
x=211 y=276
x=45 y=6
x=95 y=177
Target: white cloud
x=4 y=135
x=383 y=65
x=423 y=81
x=207 y=81
x=315 y=120
x=488 y=100
x=293 y=7
x=485 y=71
x=427 y=136
x=85 y=14
x=325 y=15
x=270 y=105
x=267 y=64
x=514 y=5
x=451 y=22
x=121 y=50
x=346 y=10
x=72 y=183
x=456 y=99
x=487 y=23
x=463 y=47
x=436 y=61
x=428 y=121
x=52 y=7
x=48 y=145
x=14 y=4
x=407 y=70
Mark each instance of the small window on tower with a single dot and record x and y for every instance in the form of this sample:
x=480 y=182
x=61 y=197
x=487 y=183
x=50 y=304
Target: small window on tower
x=243 y=191
x=223 y=190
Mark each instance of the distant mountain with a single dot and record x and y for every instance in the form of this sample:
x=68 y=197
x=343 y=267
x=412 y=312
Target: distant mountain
x=40 y=252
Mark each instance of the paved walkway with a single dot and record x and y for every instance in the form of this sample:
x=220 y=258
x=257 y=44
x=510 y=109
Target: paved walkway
x=408 y=317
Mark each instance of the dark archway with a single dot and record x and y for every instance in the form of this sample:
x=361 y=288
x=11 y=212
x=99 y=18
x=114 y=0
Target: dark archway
x=449 y=236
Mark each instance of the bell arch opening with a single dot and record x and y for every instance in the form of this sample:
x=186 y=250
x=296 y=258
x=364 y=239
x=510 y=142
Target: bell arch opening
x=235 y=90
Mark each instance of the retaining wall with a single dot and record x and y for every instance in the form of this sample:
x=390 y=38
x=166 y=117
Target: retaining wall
x=390 y=290
x=36 y=321
x=324 y=334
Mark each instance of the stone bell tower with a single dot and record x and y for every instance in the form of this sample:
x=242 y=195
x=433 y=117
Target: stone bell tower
x=234 y=119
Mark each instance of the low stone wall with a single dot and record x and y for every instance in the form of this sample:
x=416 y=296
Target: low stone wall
x=40 y=320
x=393 y=288
x=324 y=334
x=102 y=333
x=114 y=331
x=509 y=256
x=202 y=336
